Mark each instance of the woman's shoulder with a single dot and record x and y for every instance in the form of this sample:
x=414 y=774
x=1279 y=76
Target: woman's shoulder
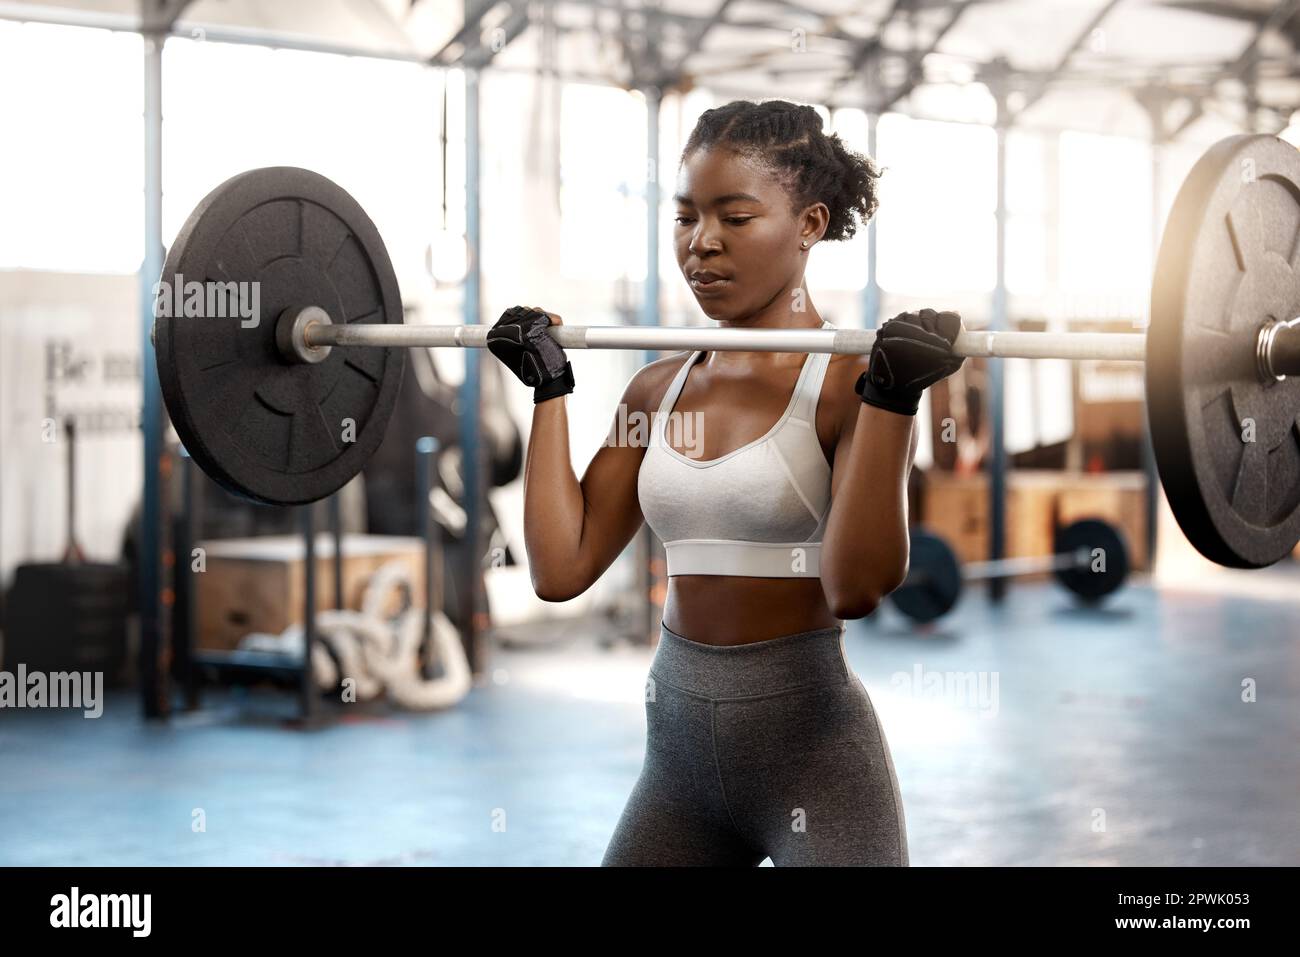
x=846 y=368
x=838 y=404
x=646 y=389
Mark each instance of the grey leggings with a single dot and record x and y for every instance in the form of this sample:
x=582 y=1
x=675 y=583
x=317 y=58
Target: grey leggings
x=769 y=749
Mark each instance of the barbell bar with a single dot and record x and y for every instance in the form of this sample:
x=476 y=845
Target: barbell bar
x=1090 y=558
x=1021 y=565
x=275 y=412
x=1122 y=346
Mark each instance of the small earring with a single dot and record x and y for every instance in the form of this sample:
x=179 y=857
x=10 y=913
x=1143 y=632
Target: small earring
x=804 y=244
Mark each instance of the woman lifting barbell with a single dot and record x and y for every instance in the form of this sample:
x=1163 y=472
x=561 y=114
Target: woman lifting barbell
x=786 y=514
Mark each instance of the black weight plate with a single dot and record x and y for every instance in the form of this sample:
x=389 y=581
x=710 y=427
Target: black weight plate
x=266 y=429
x=933 y=582
x=1106 y=564
x=1227 y=266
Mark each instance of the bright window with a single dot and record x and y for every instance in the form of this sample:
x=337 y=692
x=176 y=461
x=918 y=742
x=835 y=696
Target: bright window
x=72 y=170
x=1027 y=232
x=73 y=200
x=369 y=125
x=602 y=184
x=936 y=232
x=1105 y=226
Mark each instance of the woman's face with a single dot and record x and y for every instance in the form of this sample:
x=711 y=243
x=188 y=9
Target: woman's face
x=734 y=226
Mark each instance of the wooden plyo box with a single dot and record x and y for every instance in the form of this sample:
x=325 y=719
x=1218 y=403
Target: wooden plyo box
x=259 y=584
x=957 y=507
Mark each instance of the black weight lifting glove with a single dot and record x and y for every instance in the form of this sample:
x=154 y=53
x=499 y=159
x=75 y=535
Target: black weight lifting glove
x=520 y=340
x=912 y=352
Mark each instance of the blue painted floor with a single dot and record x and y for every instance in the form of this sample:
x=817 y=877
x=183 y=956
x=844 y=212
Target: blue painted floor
x=1030 y=733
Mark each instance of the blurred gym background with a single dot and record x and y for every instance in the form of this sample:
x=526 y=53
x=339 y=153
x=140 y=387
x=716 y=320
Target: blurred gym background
x=524 y=152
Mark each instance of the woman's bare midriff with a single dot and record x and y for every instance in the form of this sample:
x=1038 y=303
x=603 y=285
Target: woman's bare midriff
x=722 y=610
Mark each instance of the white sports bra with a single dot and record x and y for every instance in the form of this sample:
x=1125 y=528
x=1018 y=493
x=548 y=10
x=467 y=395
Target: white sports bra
x=756 y=512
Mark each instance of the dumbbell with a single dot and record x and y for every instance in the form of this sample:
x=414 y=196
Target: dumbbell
x=1090 y=560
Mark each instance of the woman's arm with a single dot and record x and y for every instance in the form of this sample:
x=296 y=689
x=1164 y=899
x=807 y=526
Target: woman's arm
x=865 y=546
x=573 y=530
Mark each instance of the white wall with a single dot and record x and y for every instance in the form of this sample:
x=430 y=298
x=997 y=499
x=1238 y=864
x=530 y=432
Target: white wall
x=88 y=325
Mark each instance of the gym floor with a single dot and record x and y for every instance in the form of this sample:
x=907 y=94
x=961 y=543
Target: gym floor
x=1115 y=736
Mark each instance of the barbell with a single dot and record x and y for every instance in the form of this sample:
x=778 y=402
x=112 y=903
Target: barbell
x=1089 y=558
x=288 y=410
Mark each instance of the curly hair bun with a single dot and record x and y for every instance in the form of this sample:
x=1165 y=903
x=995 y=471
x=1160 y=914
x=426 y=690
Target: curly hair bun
x=815 y=166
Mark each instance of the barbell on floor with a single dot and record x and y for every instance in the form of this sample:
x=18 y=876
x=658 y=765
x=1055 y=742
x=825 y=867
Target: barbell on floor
x=287 y=411
x=1090 y=558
